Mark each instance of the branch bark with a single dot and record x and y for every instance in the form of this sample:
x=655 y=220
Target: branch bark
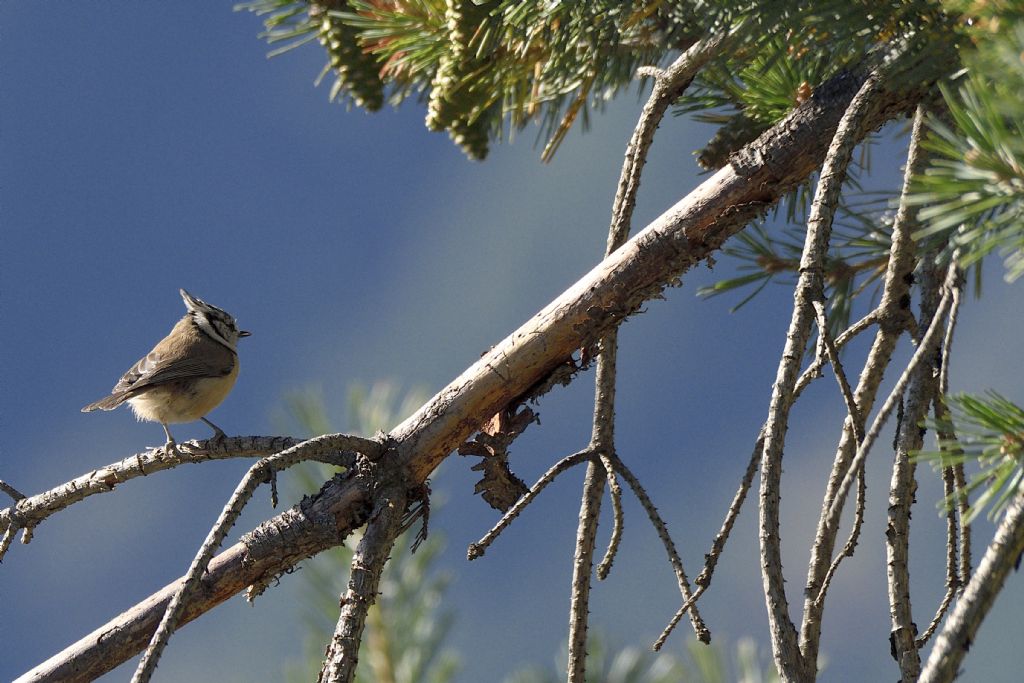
x=29 y=511
x=902 y=489
x=364 y=577
x=683 y=236
x=810 y=289
x=956 y=637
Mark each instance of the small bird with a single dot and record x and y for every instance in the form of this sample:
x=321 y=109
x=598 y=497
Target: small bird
x=186 y=375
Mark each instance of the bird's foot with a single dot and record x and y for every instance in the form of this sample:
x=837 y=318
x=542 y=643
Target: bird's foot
x=170 y=448
x=218 y=434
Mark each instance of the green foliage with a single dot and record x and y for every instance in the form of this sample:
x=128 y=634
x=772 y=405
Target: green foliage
x=989 y=431
x=705 y=664
x=407 y=627
x=973 y=192
x=295 y=23
x=355 y=71
x=488 y=67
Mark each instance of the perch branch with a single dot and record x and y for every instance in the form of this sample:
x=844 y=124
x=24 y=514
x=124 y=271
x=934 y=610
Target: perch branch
x=259 y=473
x=31 y=510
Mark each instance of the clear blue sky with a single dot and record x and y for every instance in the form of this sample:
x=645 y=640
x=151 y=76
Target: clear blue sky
x=147 y=147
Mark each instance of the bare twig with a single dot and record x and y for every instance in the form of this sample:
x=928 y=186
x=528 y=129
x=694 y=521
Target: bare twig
x=809 y=288
x=615 y=493
x=14 y=493
x=924 y=350
x=920 y=394
x=894 y=318
x=703 y=580
x=965 y=530
x=851 y=540
x=582 y=569
x=32 y=510
x=947 y=342
x=1000 y=558
x=602 y=439
x=259 y=473
x=942 y=415
x=368 y=562
x=5 y=541
x=837 y=367
x=477 y=549
x=944 y=429
x=952 y=576
x=703 y=634
x=669 y=84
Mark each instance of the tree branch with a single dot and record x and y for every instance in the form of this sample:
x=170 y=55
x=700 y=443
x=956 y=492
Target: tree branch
x=893 y=315
x=926 y=347
x=615 y=493
x=683 y=236
x=903 y=486
x=28 y=512
x=259 y=473
x=477 y=549
x=368 y=562
x=583 y=569
x=1001 y=557
x=318 y=523
x=669 y=84
x=809 y=288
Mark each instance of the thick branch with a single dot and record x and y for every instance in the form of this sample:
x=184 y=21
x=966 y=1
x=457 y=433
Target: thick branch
x=682 y=237
x=272 y=548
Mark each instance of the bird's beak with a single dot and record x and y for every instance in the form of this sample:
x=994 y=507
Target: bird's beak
x=243 y=333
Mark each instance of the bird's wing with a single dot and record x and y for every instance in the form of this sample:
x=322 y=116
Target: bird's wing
x=155 y=368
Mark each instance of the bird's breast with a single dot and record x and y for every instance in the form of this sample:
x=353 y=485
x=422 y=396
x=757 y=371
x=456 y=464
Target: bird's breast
x=183 y=400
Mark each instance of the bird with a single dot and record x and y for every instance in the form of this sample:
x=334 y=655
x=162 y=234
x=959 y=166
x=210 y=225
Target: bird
x=186 y=375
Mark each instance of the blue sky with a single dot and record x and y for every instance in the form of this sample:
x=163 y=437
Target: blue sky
x=147 y=147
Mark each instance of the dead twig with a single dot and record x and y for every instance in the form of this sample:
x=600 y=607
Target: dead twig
x=368 y=560
x=477 y=549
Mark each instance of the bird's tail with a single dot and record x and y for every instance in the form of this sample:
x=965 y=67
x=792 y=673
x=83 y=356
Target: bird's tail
x=107 y=403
